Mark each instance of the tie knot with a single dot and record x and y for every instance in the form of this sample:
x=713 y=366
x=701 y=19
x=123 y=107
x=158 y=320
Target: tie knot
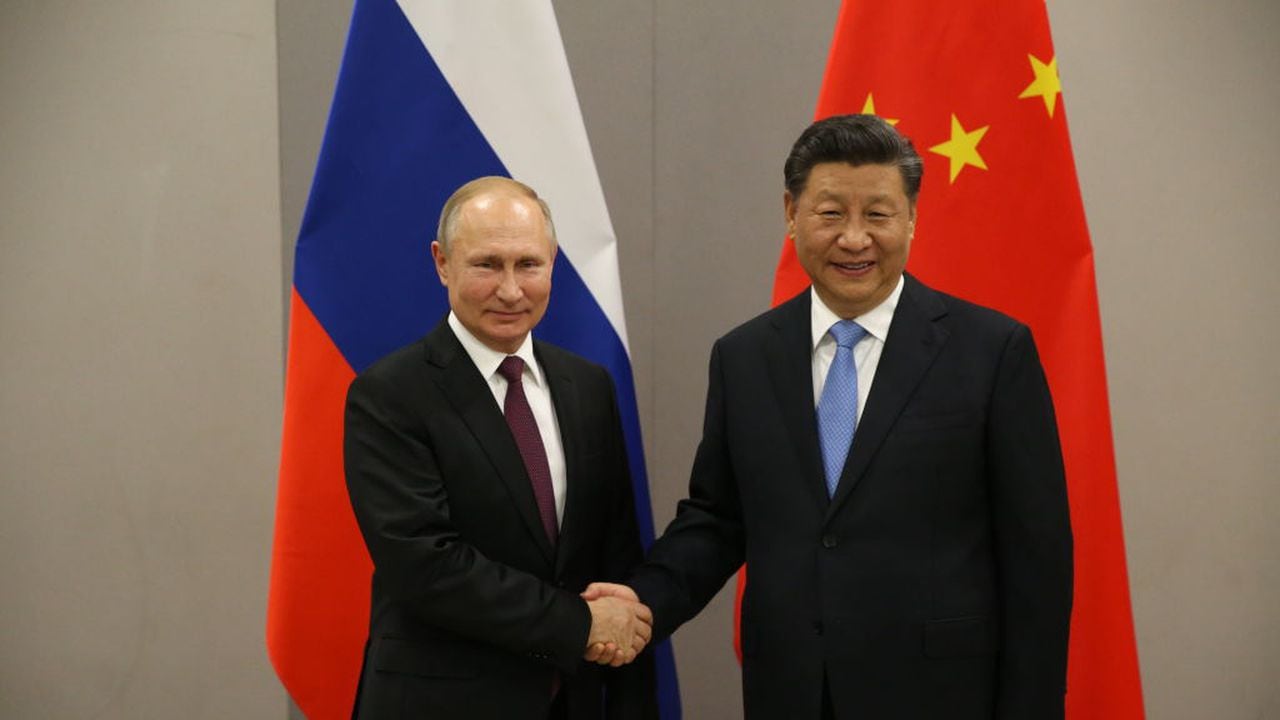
x=847 y=333
x=511 y=368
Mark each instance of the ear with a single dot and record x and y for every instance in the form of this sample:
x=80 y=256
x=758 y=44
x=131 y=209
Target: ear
x=789 y=209
x=442 y=262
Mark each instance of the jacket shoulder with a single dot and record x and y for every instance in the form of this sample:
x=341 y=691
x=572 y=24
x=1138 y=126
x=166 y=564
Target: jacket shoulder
x=962 y=315
x=557 y=359
x=795 y=310
x=397 y=363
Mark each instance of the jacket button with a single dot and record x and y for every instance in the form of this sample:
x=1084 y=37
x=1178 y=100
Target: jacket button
x=817 y=627
x=829 y=541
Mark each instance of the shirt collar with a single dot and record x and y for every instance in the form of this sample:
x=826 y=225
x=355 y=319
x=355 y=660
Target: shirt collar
x=487 y=360
x=875 y=321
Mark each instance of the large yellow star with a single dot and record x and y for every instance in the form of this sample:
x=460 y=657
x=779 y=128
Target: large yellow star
x=1046 y=85
x=869 y=108
x=962 y=148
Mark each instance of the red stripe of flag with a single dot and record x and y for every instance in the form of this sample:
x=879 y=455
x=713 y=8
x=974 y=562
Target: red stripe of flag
x=320 y=569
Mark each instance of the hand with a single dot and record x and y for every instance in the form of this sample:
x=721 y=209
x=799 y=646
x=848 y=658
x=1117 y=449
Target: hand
x=620 y=629
x=605 y=653
x=598 y=590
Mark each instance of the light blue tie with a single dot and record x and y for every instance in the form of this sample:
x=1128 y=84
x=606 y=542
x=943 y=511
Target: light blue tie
x=838 y=406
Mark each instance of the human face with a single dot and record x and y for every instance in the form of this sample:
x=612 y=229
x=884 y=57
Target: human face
x=852 y=226
x=498 y=268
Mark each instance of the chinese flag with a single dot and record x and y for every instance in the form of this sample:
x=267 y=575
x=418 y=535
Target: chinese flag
x=975 y=86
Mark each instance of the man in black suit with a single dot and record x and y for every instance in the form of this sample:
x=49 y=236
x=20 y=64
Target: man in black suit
x=885 y=459
x=488 y=474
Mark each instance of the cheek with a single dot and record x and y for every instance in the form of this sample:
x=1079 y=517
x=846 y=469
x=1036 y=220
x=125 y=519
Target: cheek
x=476 y=289
x=901 y=248
x=538 y=291
x=536 y=284
x=894 y=245
x=807 y=245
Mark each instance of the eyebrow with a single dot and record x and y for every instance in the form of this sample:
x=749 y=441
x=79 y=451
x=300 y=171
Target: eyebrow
x=826 y=195
x=823 y=195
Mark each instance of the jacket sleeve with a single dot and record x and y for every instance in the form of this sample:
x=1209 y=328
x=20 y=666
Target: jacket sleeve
x=402 y=508
x=631 y=690
x=704 y=544
x=1032 y=530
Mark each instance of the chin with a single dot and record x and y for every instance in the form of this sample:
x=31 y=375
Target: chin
x=509 y=338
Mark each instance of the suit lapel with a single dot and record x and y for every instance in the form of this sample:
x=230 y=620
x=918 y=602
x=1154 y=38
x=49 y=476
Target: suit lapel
x=472 y=399
x=564 y=396
x=915 y=338
x=789 y=355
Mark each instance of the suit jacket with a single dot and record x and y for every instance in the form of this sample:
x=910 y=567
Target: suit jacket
x=474 y=613
x=936 y=583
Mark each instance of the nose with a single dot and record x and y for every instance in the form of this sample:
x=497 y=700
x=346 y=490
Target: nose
x=854 y=236
x=509 y=290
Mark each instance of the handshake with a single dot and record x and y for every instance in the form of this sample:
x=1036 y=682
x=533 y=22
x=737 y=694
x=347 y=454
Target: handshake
x=620 y=624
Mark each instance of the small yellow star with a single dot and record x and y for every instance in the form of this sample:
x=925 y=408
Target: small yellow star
x=869 y=108
x=1047 y=85
x=962 y=148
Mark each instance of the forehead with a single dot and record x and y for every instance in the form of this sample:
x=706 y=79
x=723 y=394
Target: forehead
x=500 y=222
x=845 y=181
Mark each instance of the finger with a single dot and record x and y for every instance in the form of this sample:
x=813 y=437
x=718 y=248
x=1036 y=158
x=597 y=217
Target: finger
x=644 y=632
x=596 y=590
x=603 y=589
x=594 y=651
x=624 y=591
x=610 y=652
x=643 y=613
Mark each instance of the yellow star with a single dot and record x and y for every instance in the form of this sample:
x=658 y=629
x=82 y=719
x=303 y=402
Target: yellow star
x=869 y=108
x=962 y=148
x=1047 y=85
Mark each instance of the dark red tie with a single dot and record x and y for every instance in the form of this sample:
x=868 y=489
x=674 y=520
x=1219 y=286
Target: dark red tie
x=525 y=430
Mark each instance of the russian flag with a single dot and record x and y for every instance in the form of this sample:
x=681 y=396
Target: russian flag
x=430 y=95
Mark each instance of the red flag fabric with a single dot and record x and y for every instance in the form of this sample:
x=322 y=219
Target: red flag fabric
x=317 y=618
x=975 y=86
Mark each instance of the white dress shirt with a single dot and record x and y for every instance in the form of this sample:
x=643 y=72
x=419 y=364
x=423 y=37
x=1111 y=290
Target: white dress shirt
x=866 y=352
x=536 y=390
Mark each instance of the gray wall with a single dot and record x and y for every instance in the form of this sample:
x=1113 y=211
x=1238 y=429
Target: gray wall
x=1172 y=108
x=146 y=226
x=140 y=376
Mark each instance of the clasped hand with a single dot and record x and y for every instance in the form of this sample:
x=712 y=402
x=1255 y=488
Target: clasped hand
x=620 y=624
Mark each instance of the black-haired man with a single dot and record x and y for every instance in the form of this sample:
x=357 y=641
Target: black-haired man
x=885 y=459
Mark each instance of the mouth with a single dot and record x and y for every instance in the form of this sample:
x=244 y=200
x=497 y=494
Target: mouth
x=854 y=268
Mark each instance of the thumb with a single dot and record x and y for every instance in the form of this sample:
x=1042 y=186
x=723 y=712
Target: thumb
x=594 y=591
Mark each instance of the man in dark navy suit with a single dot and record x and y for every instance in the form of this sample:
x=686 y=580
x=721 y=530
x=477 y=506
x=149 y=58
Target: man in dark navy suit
x=885 y=459
x=489 y=477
